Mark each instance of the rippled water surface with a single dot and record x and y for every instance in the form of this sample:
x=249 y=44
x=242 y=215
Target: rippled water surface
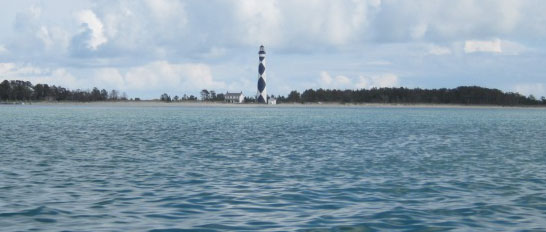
x=96 y=168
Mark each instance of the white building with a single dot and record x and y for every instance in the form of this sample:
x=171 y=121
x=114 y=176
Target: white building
x=234 y=97
x=272 y=101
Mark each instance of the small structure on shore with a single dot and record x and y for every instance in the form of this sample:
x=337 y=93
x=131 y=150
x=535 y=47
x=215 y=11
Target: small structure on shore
x=234 y=97
x=272 y=101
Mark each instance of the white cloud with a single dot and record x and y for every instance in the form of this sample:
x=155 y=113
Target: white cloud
x=536 y=89
x=258 y=22
x=6 y=68
x=34 y=38
x=136 y=30
x=165 y=10
x=10 y=70
x=214 y=52
x=90 y=20
x=419 y=31
x=337 y=82
x=458 y=20
x=62 y=77
x=325 y=78
x=505 y=47
x=378 y=81
x=300 y=24
x=168 y=19
x=127 y=38
x=43 y=34
x=35 y=11
x=513 y=48
x=155 y=77
x=378 y=63
x=27 y=72
x=159 y=76
x=471 y=46
x=439 y=50
x=110 y=78
x=343 y=82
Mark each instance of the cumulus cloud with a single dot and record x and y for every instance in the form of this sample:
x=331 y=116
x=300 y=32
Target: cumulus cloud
x=134 y=32
x=377 y=81
x=471 y=46
x=164 y=28
x=164 y=75
x=456 y=20
x=513 y=48
x=159 y=76
x=536 y=89
x=214 y=52
x=167 y=29
x=58 y=76
x=505 y=47
x=61 y=77
x=362 y=82
x=168 y=18
x=301 y=25
x=10 y=69
x=33 y=38
x=6 y=68
x=378 y=62
x=93 y=29
x=166 y=10
x=258 y=21
x=337 y=82
x=439 y=50
x=118 y=42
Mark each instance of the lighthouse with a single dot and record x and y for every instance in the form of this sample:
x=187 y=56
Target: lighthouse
x=262 y=92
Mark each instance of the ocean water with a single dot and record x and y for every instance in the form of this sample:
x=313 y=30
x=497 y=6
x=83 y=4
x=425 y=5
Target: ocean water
x=92 y=168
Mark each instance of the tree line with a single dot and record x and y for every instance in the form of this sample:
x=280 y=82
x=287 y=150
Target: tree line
x=206 y=95
x=17 y=90
x=211 y=95
x=466 y=95
x=167 y=98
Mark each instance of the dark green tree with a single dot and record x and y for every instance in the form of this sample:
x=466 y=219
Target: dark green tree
x=165 y=97
x=205 y=95
x=5 y=90
x=213 y=95
x=103 y=95
x=95 y=94
x=293 y=96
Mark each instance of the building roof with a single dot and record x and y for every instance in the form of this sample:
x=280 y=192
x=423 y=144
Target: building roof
x=228 y=94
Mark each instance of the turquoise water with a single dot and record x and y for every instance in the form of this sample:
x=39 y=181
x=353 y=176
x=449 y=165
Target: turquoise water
x=79 y=168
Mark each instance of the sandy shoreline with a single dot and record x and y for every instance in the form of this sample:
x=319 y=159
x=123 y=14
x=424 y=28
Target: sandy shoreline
x=219 y=104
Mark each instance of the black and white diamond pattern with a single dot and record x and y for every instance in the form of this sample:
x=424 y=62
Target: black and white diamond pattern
x=262 y=93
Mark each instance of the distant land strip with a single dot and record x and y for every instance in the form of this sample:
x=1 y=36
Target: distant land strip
x=25 y=91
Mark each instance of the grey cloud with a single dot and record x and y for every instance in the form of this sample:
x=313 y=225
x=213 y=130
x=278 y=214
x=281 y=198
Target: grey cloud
x=419 y=38
x=182 y=30
x=79 y=44
x=440 y=21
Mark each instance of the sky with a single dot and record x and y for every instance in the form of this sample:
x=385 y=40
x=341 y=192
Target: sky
x=149 y=47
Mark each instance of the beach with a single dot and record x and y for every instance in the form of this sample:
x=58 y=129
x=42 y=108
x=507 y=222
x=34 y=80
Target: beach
x=155 y=103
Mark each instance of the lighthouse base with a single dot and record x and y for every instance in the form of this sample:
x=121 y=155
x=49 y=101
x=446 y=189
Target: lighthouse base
x=261 y=99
